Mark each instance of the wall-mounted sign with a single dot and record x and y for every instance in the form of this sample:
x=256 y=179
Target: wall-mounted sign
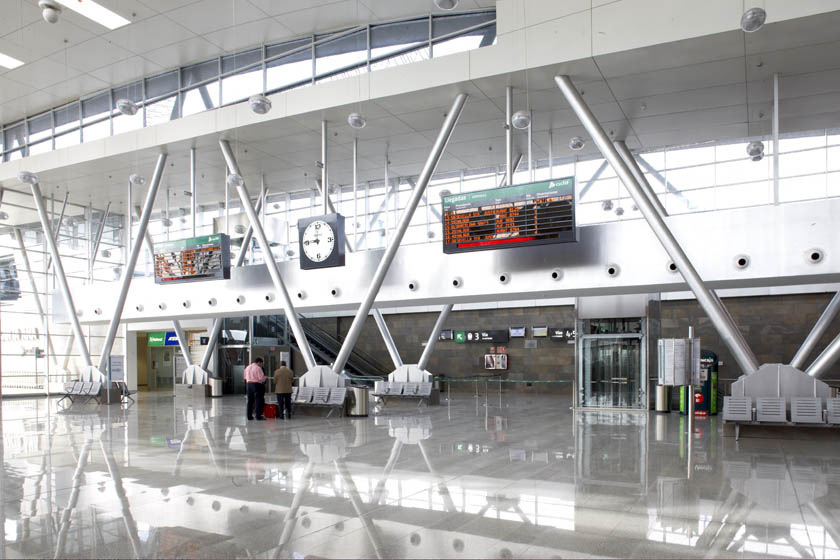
x=495 y=361
x=530 y=214
x=460 y=337
x=204 y=340
x=197 y=258
x=517 y=332
x=530 y=344
x=445 y=334
x=488 y=336
x=539 y=332
x=562 y=333
x=162 y=339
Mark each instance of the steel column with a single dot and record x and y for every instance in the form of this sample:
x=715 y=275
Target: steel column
x=355 y=190
x=433 y=337
x=324 y=174
x=516 y=161
x=34 y=287
x=99 y=233
x=268 y=257
x=217 y=323
x=388 y=257
x=775 y=138
x=386 y=336
x=822 y=324
x=128 y=272
x=57 y=230
x=628 y=158
x=826 y=359
x=182 y=342
x=192 y=189
x=711 y=305
x=508 y=135
x=59 y=273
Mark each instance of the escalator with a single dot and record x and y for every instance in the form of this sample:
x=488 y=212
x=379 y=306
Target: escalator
x=325 y=348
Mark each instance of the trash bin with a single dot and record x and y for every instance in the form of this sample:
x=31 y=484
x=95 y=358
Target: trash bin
x=663 y=399
x=215 y=387
x=358 y=403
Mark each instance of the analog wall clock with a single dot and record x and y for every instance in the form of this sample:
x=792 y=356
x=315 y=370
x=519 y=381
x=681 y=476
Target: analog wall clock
x=321 y=240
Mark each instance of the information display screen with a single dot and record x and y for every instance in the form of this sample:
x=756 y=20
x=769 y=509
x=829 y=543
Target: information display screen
x=531 y=214
x=197 y=258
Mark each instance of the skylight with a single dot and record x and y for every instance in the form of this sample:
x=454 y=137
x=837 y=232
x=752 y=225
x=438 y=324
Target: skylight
x=96 y=12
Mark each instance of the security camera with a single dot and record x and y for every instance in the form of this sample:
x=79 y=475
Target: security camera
x=50 y=10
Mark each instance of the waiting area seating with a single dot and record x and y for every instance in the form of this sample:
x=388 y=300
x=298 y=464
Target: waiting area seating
x=333 y=398
x=779 y=411
x=404 y=390
x=83 y=390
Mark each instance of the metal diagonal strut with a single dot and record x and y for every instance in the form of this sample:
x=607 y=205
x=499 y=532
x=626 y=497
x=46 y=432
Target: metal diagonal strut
x=631 y=162
x=711 y=305
x=433 y=337
x=388 y=257
x=822 y=324
x=60 y=276
x=270 y=263
x=34 y=287
x=128 y=271
x=826 y=359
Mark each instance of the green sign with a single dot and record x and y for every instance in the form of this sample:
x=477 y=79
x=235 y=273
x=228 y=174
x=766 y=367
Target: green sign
x=540 y=189
x=460 y=337
x=156 y=339
x=192 y=243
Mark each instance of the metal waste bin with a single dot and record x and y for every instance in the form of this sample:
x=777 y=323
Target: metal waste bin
x=216 y=387
x=358 y=403
x=663 y=399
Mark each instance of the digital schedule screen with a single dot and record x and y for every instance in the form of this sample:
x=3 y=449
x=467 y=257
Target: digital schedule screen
x=520 y=215
x=197 y=258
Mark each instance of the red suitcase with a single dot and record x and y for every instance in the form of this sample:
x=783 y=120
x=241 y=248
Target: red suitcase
x=270 y=411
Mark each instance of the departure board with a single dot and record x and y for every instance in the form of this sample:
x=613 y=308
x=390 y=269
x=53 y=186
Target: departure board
x=520 y=215
x=196 y=258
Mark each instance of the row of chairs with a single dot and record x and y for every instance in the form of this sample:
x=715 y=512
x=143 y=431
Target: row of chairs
x=86 y=390
x=802 y=410
x=401 y=389
x=326 y=396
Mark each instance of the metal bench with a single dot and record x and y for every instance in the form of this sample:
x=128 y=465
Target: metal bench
x=320 y=397
x=386 y=389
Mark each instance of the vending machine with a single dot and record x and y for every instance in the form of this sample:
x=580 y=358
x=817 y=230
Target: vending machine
x=705 y=394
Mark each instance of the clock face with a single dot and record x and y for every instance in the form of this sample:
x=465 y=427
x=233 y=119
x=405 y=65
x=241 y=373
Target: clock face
x=318 y=241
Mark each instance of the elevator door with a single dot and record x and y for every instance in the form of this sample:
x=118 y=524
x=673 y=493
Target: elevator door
x=612 y=372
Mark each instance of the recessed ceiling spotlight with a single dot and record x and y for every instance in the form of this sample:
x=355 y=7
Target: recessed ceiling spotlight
x=126 y=107
x=28 y=178
x=356 y=120
x=235 y=181
x=755 y=150
x=577 y=143
x=753 y=19
x=446 y=4
x=50 y=10
x=3 y=216
x=260 y=104
x=521 y=120
x=136 y=179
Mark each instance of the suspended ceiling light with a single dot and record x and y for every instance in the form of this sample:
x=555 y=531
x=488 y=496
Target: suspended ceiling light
x=28 y=178
x=235 y=181
x=136 y=179
x=521 y=120
x=50 y=10
x=755 y=150
x=3 y=216
x=260 y=104
x=607 y=205
x=106 y=254
x=445 y=192
x=126 y=107
x=9 y=62
x=577 y=143
x=356 y=120
x=91 y=10
x=619 y=211
x=446 y=4
x=753 y=19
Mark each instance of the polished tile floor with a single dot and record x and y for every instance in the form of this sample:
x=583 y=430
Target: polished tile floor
x=485 y=476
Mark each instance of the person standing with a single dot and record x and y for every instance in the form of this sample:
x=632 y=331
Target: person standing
x=284 y=378
x=255 y=383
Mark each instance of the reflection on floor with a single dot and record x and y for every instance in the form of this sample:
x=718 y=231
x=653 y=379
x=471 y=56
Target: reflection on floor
x=509 y=476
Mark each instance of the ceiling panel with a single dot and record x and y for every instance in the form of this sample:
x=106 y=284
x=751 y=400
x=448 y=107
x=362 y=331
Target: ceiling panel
x=207 y=16
x=42 y=73
x=182 y=52
x=41 y=39
x=685 y=78
x=149 y=34
x=245 y=35
x=91 y=55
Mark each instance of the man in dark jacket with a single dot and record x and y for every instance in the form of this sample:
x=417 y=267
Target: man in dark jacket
x=284 y=378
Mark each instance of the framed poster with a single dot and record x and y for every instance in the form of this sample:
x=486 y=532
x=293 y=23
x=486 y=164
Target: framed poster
x=539 y=332
x=517 y=332
x=501 y=361
x=489 y=361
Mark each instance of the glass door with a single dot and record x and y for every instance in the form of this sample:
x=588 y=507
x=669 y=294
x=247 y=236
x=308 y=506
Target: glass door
x=611 y=367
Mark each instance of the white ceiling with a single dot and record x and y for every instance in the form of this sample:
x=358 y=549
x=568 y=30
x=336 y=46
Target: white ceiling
x=76 y=56
x=711 y=88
